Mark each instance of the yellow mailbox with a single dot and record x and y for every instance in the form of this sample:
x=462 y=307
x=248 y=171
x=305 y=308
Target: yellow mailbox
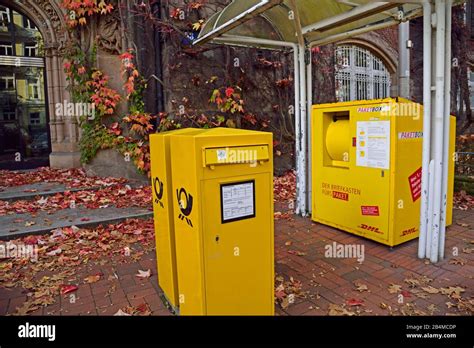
x=223 y=211
x=366 y=168
x=163 y=212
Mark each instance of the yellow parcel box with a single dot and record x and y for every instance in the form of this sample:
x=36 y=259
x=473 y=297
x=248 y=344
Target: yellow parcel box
x=223 y=211
x=367 y=168
x=163 y=212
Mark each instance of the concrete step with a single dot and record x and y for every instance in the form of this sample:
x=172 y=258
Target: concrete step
x=31 y=191
x=28 y=192
x=20 y=225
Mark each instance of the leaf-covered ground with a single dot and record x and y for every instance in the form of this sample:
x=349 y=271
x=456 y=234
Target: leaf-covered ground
x=111 y=269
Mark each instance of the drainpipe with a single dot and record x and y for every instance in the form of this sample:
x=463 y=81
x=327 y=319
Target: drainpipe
x=404 y=60
x=299 y=75
x=438 y=126
x=301 y=133
x=446 y=127
x=309 y=98
x=160 y=100
x=426 y=129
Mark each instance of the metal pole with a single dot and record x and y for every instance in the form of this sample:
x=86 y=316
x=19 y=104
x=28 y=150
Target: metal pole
x=300 y=85
x=426 y=128
x=363 y=30
x=303 y=136
x=438 y=126
x=429 y=225
x=446 y=127
x=404 y=60
x=297 y=110
x=309 y=97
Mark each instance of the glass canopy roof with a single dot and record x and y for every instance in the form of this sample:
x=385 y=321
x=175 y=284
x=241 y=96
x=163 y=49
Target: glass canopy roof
x=320 y=19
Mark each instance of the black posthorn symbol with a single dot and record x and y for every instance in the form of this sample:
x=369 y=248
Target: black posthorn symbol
x=158 y=188
x=185 y=209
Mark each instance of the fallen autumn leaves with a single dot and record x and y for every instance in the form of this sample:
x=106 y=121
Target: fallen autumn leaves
x=65 y=251
x=64 y=255
x=71 y=178
x=118 y=195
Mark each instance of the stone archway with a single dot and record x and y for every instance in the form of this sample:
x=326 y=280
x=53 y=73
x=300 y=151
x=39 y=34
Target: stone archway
x=49 y=19
x=380 y=48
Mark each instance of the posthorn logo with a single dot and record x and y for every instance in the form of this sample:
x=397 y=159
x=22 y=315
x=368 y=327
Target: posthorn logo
x=158 y=189
x=185 y=202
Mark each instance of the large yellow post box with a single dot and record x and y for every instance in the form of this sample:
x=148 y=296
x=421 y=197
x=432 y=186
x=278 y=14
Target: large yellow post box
x=366 y=168
x=223 y=211
x=163 y=212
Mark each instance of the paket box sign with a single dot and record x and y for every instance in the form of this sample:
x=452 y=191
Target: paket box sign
x=366 y=168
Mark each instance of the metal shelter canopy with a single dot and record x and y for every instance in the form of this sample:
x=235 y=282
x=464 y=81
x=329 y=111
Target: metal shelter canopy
x=319 y=19
x=302 y=24
x=299 y=25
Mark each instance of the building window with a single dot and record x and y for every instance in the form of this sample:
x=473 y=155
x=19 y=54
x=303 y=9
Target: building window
x=4 y=17
x=34 y=89
x=360 y=75
x=35 y=118
x=6 y=49
x=30 y=50
x=8 y=114
x=28 y=24
x=7 y=83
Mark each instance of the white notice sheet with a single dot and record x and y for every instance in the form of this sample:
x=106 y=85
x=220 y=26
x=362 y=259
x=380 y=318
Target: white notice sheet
x=373 y=144
x=237 y=201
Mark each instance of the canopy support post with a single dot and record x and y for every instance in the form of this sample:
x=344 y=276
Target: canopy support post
x=404 y=60
x=436 y=119
x=426 y=129
x=446 y=128
x=309 y=106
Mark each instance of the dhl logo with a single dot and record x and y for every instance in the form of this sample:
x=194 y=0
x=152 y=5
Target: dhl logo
x=409 y=231
x=370 y=228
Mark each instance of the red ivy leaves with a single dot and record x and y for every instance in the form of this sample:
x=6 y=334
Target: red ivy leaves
x=104 y=98
x=140 y=123
x=129 y=71
x=78 y=10
x=229 y=100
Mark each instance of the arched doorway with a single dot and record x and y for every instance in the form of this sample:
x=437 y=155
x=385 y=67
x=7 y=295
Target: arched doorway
x=24 y=121
x=48 y=17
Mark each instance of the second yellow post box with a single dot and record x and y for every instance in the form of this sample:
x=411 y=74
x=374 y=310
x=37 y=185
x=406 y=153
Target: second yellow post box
x=163 y=212
x=223 y=211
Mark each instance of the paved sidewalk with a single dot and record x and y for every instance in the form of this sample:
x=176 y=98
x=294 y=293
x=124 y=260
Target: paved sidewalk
x=387 y=282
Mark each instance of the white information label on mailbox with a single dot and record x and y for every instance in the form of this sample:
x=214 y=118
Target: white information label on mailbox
x=373 y=144
x=238 y=201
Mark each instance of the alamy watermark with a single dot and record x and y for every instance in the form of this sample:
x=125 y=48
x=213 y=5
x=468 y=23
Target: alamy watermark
x=75 y=110
x=19 y=251
x=230 y=156
x=345 y=251
x=401 y=109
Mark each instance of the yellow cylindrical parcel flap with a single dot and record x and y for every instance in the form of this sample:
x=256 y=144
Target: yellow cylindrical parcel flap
x=338 y=140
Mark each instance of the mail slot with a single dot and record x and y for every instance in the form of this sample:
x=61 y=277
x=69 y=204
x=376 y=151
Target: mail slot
x=223 y=219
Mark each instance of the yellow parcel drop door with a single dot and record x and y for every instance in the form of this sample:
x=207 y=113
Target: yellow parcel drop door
x=223 y=207
x=163 y=212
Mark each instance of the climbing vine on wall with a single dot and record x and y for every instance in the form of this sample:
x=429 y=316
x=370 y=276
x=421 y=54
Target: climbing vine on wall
x=79 y=10
x=88 y=84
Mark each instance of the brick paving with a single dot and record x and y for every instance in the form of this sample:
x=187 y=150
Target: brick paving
x=325 y=281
